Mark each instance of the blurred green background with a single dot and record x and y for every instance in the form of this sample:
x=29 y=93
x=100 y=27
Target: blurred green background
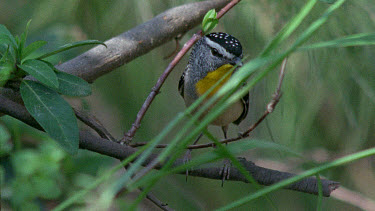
x=327 y=110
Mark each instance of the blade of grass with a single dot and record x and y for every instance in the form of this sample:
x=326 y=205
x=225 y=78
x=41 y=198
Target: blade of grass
x=276 y=60
x=351 y=40
x=65 y=204
x=220 y=152
x=70 y=46
x=251 y=67
x=171 y=146
x=364 y=85
x=166 y=152
x=311 y=172
x=288 y=29
x=320 y=191
x=301 y=40
x=152 y=144
x=227 y=154
x=211 y=156
x=220 y=108
x=215 y=112
x=178 y=149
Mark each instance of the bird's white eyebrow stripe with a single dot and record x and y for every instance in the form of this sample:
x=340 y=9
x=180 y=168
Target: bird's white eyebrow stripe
x=220 y=49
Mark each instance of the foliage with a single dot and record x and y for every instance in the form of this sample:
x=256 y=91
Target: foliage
x=209 y=21
x=36 y=175
x=42 y=98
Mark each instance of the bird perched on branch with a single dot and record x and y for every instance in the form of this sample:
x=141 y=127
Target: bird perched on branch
x=210 y=60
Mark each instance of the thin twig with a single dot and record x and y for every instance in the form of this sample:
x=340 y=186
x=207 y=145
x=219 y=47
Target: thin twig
x=157 y=202
x=269 y=109
x=128 y=136
x=156 y=89
x=93 y=123
x=227 y=7
x=151 y=197
x=178 y=46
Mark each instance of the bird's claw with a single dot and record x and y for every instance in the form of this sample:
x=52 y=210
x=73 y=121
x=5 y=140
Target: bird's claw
x=186 y=159
x=225 y=171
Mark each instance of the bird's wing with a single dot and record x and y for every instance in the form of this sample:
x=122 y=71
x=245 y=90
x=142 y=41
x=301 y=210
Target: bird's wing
x=245 y=103
x=181 y=84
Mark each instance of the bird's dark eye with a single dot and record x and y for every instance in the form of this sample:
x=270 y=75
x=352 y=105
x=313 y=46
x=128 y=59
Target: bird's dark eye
x=215 y=52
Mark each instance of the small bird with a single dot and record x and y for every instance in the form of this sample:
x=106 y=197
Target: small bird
x=211 y=58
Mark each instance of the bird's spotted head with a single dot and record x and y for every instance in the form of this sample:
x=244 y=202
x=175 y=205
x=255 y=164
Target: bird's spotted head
x=224 y=44
x=212 y=52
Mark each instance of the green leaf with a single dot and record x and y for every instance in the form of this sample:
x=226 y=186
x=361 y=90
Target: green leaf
x=22 y=39
x=5 y=31
x=2 y=176
x=32 y=47
x=45 y=187
x=28 y=205
x=53 y=113
x=5 y=40
x=6 y=70
x=70 y=46
x=40 y=71
x=5 y=144
x=28 y=156
x=6 y=53
x=72 y=85
x=351 y=40
x=22 y=191
x=209 y=21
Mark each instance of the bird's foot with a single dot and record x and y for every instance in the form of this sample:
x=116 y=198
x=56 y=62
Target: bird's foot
x=186 y=159
x=225 y=171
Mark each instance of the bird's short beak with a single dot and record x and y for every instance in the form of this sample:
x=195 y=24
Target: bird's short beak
x=237 y=61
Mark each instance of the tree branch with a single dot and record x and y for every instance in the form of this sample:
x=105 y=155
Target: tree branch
x=93 y=123
x=139 y=40
x=17 y=111
x=262 y=175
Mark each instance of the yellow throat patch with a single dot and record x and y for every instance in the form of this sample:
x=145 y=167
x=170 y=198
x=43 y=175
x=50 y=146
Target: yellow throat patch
x=211 y=78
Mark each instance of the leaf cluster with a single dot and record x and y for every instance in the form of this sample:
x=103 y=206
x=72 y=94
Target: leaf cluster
x=42 y=92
